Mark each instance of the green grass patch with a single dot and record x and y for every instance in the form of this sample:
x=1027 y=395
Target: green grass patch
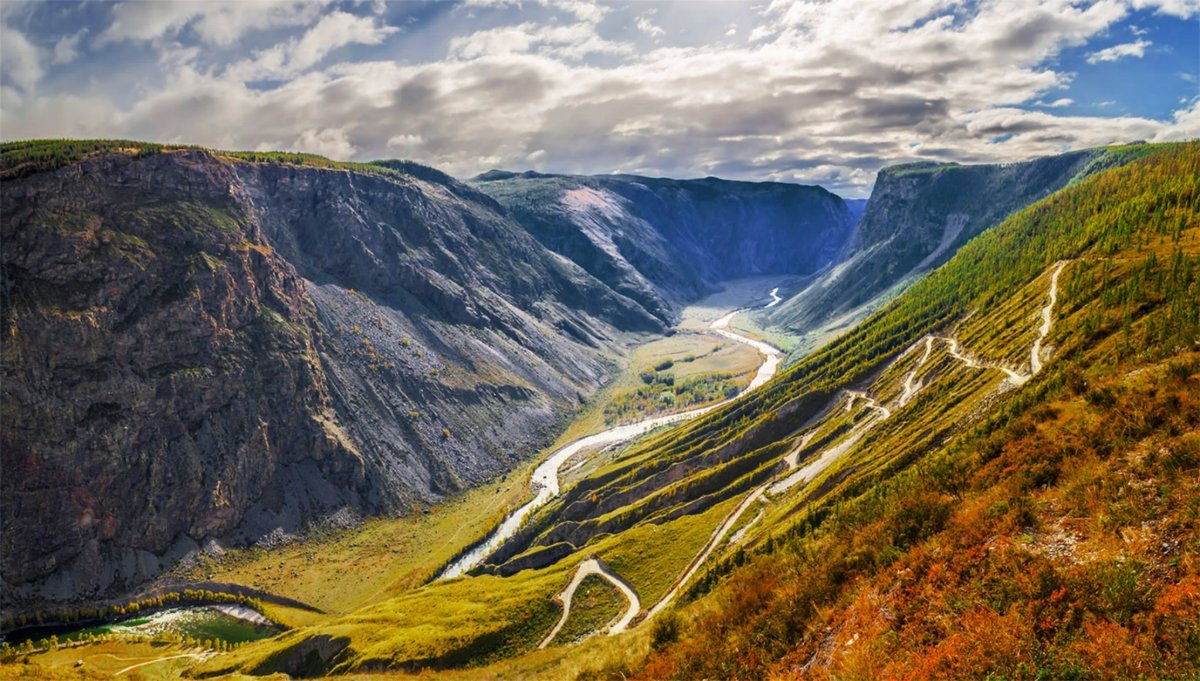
x=596 y=603
x=383 y=558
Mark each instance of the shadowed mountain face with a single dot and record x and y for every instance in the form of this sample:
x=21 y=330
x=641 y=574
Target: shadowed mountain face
x=661 y=242
x=202 y=347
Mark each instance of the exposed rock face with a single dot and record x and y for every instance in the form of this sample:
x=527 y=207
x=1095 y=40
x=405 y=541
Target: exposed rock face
x=160 y=373
x=662 y=241
x=916 y=219
x=196 y=348
x=464 y=323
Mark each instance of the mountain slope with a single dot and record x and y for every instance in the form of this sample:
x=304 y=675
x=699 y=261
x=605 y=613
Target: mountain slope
x=918 y=216
x=1044 y=530
x=663 y=242
x=199 y=346
x=147 y=328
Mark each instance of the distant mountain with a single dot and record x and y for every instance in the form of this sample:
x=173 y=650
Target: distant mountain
x=664 y=242
x=918 y=216
x=856 y=206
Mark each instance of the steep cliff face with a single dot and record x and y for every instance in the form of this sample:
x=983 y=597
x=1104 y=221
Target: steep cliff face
x=918 y=216
x=160 y=377
x=662 y=242
x=453 y=342
x=199 y=347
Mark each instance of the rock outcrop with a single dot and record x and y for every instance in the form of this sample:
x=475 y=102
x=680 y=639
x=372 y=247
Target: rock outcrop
x=918 y=216
x=161 y=374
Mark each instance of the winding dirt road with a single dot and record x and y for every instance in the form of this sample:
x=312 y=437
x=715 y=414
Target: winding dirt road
x=792 y=458
x=198 y=656
x=1035 y=353
x=881 y=413
x=713 y=541
x=910 y=385
x=587 y=568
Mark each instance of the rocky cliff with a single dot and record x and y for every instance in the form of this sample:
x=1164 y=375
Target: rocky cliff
x=201 y=347
x=160 y=375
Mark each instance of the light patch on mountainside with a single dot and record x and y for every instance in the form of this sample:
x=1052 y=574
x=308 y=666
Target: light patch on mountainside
x=954 y=226
x=597 y=213
x=585 y=200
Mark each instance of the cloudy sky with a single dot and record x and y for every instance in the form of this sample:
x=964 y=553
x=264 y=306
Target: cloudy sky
x=805 y=91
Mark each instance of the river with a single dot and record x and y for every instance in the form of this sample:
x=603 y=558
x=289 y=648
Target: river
x=545 y=476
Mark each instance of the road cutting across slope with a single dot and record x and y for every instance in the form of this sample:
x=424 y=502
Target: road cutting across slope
x=589 y=567
x=832 y=454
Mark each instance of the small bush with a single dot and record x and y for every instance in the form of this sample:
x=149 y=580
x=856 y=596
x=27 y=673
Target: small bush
x=665 y=631
x=1101 y=397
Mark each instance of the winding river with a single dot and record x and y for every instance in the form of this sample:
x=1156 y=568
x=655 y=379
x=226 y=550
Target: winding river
x=545 y=476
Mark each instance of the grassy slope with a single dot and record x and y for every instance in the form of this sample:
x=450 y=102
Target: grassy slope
x=1055 y=536
x=596 y=603
x=476 y=620
x=344 y=571
x=103 y=660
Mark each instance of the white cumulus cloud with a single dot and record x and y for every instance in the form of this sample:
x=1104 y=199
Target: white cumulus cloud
x=1136 y=49
x=334 y=30
x=20 y=60
x=645 y=25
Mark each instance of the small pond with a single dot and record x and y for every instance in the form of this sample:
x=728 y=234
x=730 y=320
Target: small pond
x=200 y=622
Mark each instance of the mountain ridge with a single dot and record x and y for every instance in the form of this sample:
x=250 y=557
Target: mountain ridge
x=934 y=209
x=407 y=375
